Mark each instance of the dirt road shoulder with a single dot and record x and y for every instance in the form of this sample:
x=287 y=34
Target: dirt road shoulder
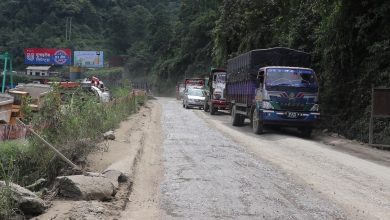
x=124 y=153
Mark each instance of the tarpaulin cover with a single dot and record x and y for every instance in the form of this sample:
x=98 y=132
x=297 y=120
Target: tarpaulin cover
x=246 y=66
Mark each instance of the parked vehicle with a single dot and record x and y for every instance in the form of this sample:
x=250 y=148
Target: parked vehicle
x=273 y=87
x=97 y=87
x=194 y=97
x=216 y=96
x=180 y=87
x=198 y=83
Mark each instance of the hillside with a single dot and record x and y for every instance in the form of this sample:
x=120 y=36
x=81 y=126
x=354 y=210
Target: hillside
x=169 y=40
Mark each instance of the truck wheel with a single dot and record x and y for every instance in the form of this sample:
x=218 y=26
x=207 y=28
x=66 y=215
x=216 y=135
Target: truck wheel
x=306 y=132
x=236 y=119
x=206 y=107
x=213 y=109
x=257 y=125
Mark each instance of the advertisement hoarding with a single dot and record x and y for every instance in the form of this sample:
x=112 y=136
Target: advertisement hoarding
x=89 y=59
x=47 y=56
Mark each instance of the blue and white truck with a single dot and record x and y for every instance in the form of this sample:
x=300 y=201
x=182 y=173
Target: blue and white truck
x=273 y=87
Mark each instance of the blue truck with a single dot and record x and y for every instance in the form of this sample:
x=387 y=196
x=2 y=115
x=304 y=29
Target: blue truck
x=273 y=87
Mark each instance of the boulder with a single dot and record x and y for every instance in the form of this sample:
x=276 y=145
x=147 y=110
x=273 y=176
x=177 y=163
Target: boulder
x=27 y=201
x=119 y=170
x=115 y=176
x=81 y=187
x=109 y=135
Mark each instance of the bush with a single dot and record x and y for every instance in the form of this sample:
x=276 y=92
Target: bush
x=73 y=128
x=8 y=207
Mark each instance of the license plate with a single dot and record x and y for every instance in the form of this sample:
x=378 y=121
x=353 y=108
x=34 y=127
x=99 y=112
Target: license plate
x=292 y=114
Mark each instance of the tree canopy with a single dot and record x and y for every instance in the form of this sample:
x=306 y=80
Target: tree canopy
x=168 y=40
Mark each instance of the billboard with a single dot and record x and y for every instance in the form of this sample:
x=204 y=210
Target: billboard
x=89 y=59
x=47 y=56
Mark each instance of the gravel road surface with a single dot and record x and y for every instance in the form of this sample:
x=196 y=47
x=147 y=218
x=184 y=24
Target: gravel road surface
x=197 y=166
x=209 y=175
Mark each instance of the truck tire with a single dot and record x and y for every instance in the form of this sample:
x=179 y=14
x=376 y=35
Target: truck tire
x=236 y=119
x=206 y=107
x=257 y=124
x=213 y=109
x=306 y=132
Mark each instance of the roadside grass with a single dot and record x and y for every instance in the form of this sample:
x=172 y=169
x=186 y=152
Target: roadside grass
x=74 y=129
x=7 y=205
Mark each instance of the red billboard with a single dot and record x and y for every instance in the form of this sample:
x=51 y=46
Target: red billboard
x=47 y=56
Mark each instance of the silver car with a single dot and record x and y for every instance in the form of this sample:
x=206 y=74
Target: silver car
x=194 y=97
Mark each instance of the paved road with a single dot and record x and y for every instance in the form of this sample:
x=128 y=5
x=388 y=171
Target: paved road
x=208 y=175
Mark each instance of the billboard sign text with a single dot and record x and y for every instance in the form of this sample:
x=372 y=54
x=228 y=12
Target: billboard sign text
x=89 y=59
x=47 y=56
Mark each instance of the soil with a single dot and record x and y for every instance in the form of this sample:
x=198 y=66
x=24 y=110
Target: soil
x=128 y=147
x=186 y=164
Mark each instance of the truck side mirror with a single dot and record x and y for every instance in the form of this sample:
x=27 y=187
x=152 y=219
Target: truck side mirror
x=260 y=79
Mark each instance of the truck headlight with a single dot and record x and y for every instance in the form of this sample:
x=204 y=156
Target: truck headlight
x=315 y=108
x=267 y=105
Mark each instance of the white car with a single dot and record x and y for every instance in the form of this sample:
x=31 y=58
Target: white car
x=194 y=98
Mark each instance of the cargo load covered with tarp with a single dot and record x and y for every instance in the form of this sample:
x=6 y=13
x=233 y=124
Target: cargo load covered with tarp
x=246 y=66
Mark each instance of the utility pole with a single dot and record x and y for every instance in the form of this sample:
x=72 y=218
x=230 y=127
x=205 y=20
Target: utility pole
x=68 y=30
x=70 y=27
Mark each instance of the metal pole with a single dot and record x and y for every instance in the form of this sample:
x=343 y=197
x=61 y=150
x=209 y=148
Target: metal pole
x=50 y=146
x=66 y=29
x=371 y=125
x=11 y=74
x=4 y=72
x=70 y=27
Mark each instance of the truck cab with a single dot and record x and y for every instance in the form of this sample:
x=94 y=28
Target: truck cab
x=216 y=97
x=286 y=96
x=273 y=87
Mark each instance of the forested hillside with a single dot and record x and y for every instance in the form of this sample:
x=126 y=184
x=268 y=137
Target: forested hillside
x=167 y=40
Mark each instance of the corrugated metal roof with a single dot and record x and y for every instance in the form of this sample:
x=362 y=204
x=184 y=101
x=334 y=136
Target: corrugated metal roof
x=38 y=68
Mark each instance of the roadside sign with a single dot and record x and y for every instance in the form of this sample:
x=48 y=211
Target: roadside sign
x=380 y=108
x=380 y=102
x=47 y=56
x=89 y=59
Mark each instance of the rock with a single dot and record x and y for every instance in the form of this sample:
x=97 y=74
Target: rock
x=335 y=135
x=115 y=176
x=325 y=131
x=39 y=184
x=120 y=167
x=27 y=201
x=93 y=174
x=109 y=135
x=81 y=187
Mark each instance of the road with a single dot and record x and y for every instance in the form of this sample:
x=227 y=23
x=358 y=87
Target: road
x=207 y=169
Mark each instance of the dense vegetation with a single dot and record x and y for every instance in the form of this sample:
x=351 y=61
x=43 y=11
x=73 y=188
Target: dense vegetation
x=168 y=40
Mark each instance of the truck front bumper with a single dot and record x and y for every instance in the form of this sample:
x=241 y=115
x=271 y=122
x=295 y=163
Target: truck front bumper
x=220 y=104
x=283 y=118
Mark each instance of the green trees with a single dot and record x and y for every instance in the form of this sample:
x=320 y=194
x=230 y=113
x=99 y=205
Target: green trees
x=349 y=41
x=168 y=40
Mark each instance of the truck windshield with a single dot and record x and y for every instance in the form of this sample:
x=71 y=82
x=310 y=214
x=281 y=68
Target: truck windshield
x=220 y=77
x=195 y=92
x=291 y=77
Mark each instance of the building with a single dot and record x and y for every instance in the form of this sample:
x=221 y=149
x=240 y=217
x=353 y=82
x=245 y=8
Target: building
x=40 y=71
